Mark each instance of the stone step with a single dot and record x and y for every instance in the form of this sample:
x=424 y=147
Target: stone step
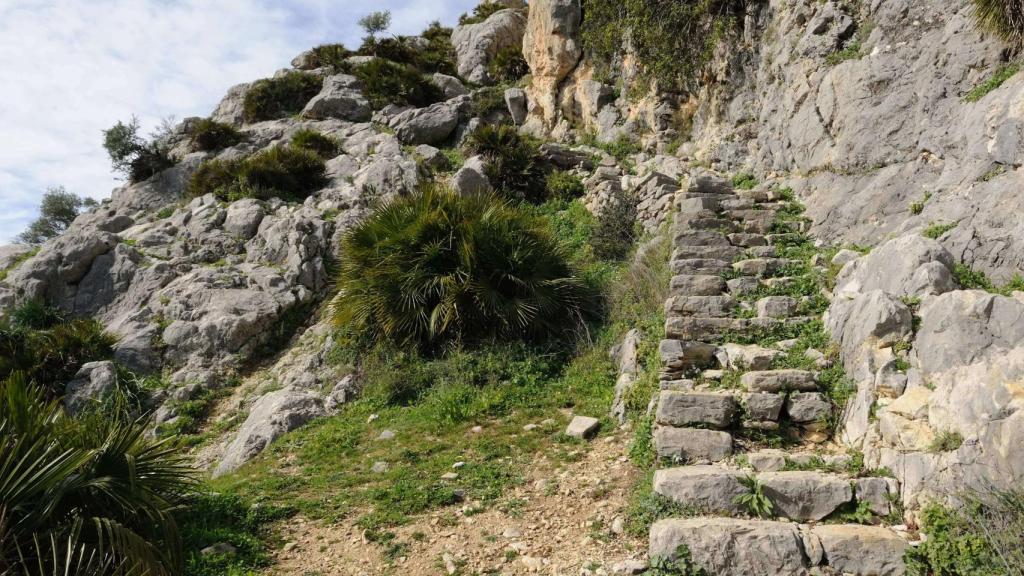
x=686 y=354
x=762 y=267
x=694 y=328
x=709 y=306
x=760 y=196
x=762 y=252
x=709 y=184
x=779 y=381
x=747 y=240
x=802 y=495
x=682 y=409
x=700 y=203
x=704 y=221
x=697 y=285
x=736 y=547
x=723 y=252
x=692 y=443
x=706 y=266
x=776 y=307
x=736 y=203
x=688 y=237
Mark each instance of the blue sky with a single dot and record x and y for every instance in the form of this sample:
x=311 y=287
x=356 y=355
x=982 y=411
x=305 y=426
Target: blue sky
x=71 y=68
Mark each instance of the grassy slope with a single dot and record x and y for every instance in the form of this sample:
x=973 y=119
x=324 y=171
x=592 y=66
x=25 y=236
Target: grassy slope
x=325 y=469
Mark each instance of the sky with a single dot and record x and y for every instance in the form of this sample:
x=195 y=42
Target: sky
x=72 y=68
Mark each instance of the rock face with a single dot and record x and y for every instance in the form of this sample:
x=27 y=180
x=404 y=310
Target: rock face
x=94 y=382
x=477 y=44
x=552 y=48
x=340 y=98
x=868 y=153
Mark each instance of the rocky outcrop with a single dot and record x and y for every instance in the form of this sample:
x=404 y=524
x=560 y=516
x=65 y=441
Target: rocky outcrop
x=552 y=48
x=477 y=44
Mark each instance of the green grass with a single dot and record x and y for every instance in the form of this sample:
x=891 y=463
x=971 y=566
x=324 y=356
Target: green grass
x=970 y=279
x=18 y=261
x=946 y=441
x=211 y=519
x=744 y=181
x=998 y=78
x=936 y=230
x=852 y=52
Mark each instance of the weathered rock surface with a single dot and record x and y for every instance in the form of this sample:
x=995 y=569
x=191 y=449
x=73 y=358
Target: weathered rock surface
x=730 y=547
x=805 y=495
x=862 y=550
x=94 y=383
x=706 y=489
x=340 y=98
x=272 y=416
x=477 y=44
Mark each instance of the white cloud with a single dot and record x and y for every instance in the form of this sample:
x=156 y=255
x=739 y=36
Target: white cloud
x=71 y=68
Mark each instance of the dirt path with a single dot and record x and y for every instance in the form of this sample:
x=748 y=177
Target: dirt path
x=564 y=520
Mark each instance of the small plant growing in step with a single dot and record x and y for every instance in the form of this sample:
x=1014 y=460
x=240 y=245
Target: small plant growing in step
x=754 y=500
x=681 y=565
x=744 y=181
x=917 y=206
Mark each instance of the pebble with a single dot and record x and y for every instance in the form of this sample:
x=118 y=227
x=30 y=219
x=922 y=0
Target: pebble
x=449 y=563
x=380 y=467
x=512 y=532
x=476 y=429
x=458 y=465
x=386 y=435
x=530 y=427
x=449 y=476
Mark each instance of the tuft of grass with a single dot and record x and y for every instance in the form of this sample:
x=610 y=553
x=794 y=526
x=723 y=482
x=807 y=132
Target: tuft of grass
x=281 y=97
x=287 y=172
x=18 y=261
x=946 y=441
x=917 y=206
x=209 y=519
x=853 y=51
x=386 y=82
x=998 y=78
x=936 y=230
x=563 y=185
x=323 y=146
x=209 y=135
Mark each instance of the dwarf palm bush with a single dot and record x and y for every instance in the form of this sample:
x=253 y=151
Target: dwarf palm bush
x=1003 y=17
x=435 y=268
x=513 y=166
x=280 y=97
x=47 y=347
x=288 y=172
x=210 y=135
x=93 y=492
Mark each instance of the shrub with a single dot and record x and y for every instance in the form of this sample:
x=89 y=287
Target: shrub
x=439 y=55
x=980 y=537
x=209 y=135
x=936 y=230
x=131 y=154
x=1005 y=18
x=489 y=100
x=512 y=161
x=331 y=55
x=47 y=348
x=508 y=65
x=744 y=181
x=482 y=12
x=616 y=228
x=396 y=49
x=286 y=95
x=57 y=211
x=287 y=172
x=672 y=40
x=324 y=146
x=436 y=269
x=386 y=82
x=94 y=493
x=563 y=185
x=946 y=441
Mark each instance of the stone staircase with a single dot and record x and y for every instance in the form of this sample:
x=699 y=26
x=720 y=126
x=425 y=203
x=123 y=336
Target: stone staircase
x=726 y=398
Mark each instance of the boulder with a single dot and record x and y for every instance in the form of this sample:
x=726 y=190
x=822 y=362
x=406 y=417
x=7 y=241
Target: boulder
x=762 y=406
x=273 y=415
x=582 y=427
x=515 y=99
x=911 y=265
x=471 y=177
x=339 y=98
x=746 y=357
x=430 y=125
x=477 y=44
x=732 y=547
x=243 y=218
x=866 y=326
x=450 y=86
x=230 y=110
x=93 y=383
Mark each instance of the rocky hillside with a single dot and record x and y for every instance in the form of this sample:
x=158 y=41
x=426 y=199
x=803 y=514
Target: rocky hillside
x=795 y=223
